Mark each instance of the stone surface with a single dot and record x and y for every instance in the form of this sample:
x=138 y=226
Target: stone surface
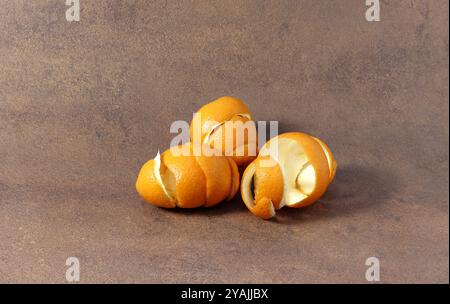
x=84 y=105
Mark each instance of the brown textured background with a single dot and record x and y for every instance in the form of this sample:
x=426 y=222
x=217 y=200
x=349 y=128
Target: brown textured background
x=84 y=105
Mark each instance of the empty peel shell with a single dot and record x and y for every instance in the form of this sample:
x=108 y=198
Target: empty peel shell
x=295 y=174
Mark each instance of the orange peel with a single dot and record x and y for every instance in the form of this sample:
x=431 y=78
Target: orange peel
x=226 y=125
x=174 y=180
x=293 y=169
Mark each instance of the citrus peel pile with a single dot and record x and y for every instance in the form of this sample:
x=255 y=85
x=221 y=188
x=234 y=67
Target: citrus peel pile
x=292 y=169
x=170 y=180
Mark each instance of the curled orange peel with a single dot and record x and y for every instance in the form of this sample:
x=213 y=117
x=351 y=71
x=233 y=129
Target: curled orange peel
x=226 y=125
x=292 y=169
x=177 y=180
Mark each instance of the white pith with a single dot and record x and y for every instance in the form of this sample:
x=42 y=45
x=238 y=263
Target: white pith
x=157 y=173
x=271 y=209
x=299 y=176
x=246 y=185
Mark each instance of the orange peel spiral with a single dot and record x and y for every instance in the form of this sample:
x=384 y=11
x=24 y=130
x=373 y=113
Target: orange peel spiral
x=226 y=125
x=174 y=180
x=292 y=169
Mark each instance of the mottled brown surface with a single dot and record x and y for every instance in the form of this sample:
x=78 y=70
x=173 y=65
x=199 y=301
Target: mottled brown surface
x=84 y=105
